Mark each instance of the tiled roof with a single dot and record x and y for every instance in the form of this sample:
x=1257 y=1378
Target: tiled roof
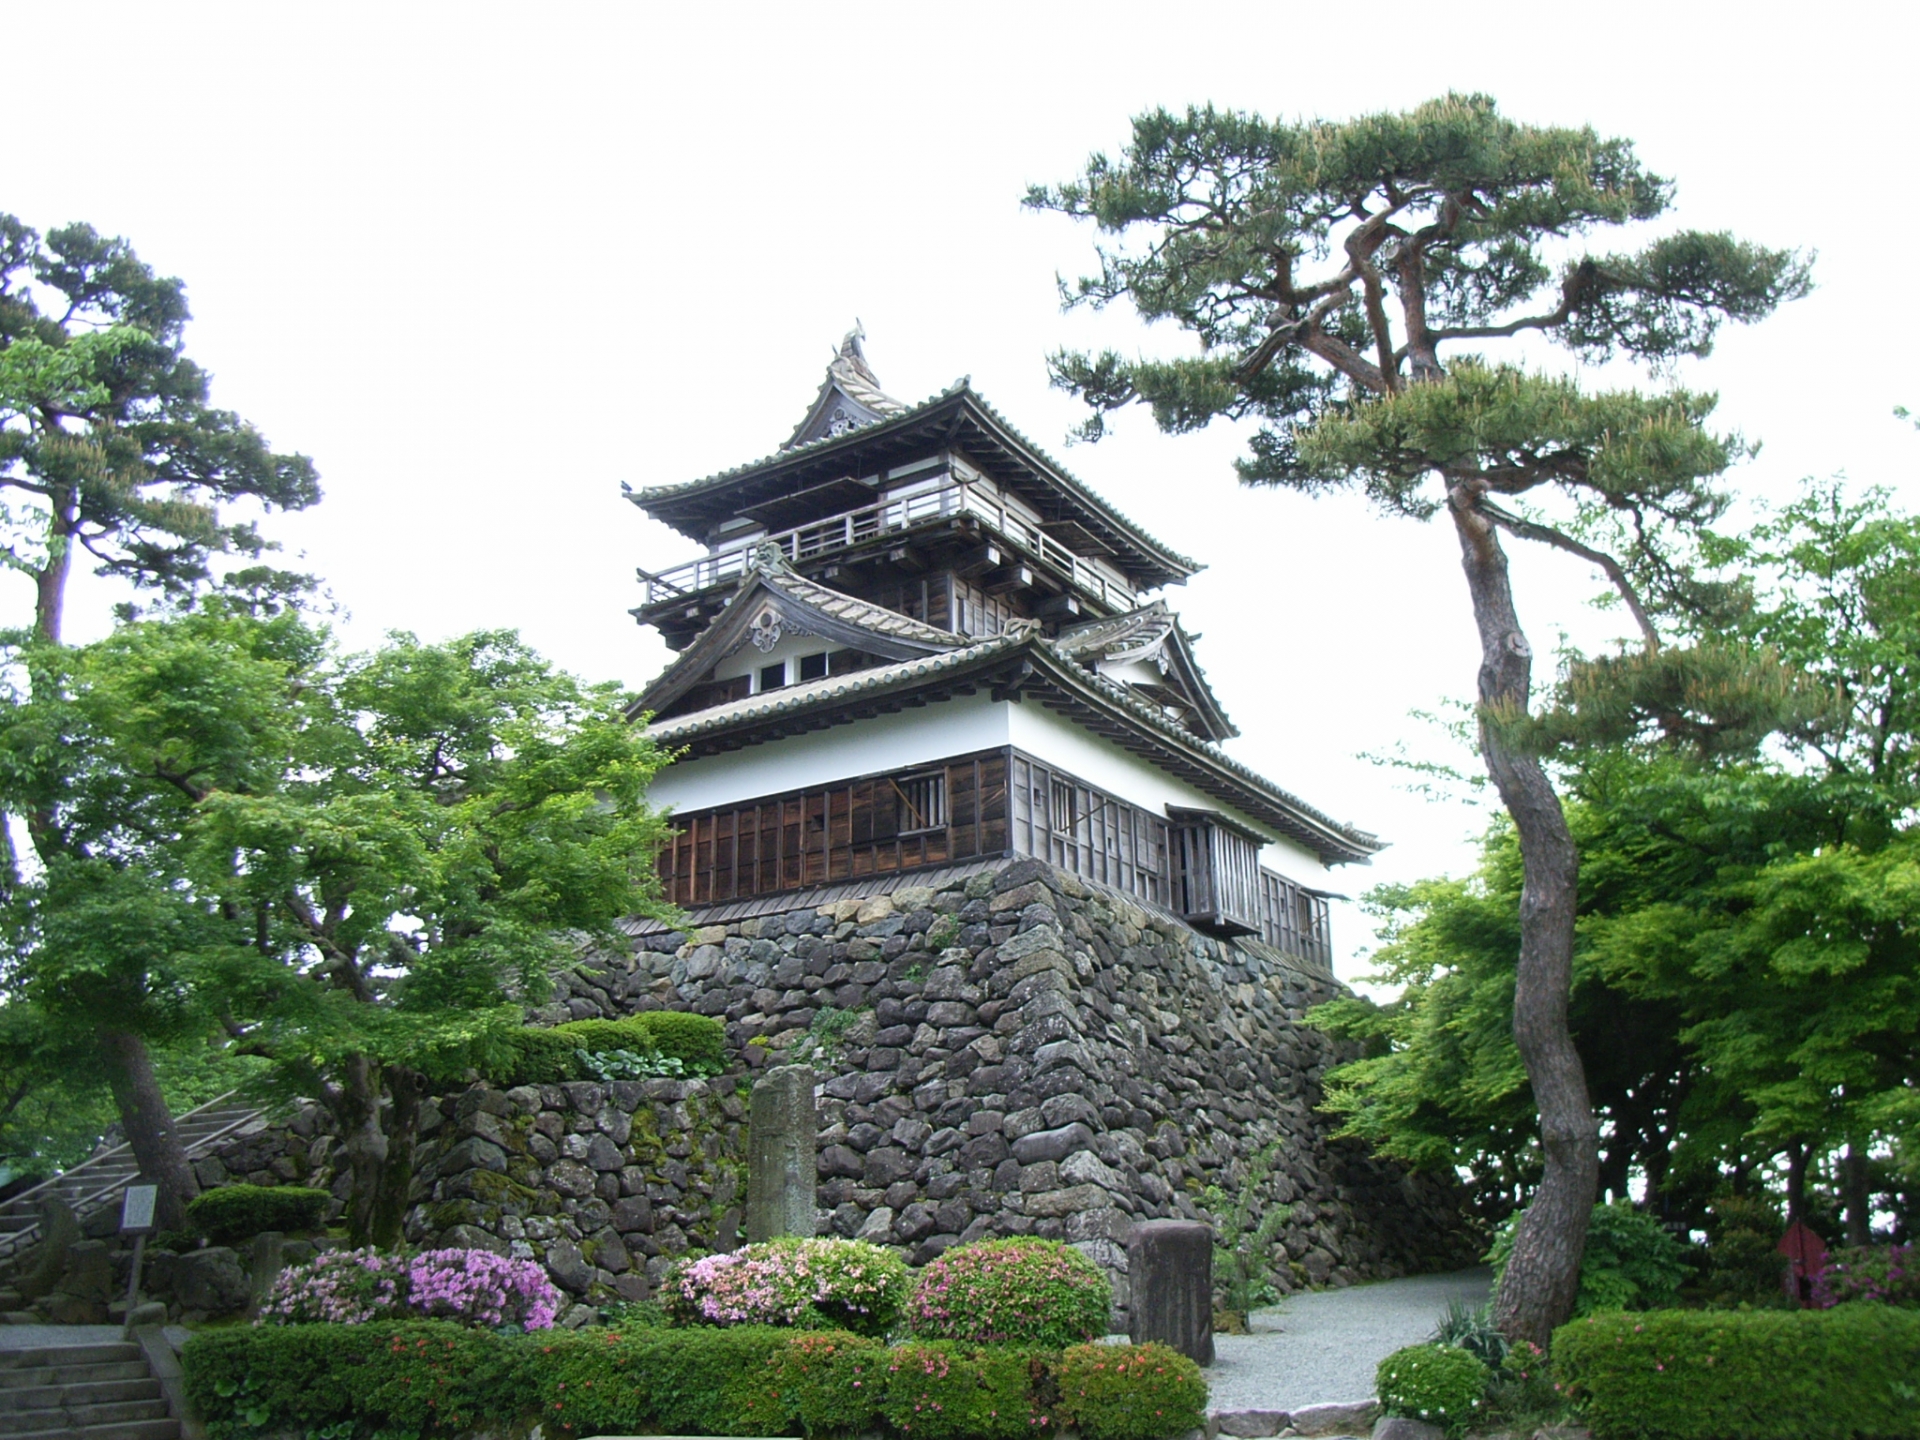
x=794 y=699
x=855 y=611
x=901 y=420
x=1129 y=630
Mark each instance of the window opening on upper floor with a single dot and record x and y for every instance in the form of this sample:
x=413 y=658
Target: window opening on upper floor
x=921 y=801
x=774 y=676
x=813 y=667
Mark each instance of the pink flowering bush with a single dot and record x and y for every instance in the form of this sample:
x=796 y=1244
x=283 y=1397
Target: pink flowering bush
x=340 y=1287
x=1011 y=1292
x=476 y=1287
x=472 y=1287
x=813 y=1284
x=1889 y=1274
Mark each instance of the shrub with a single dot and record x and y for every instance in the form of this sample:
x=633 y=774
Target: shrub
x=847 y=1284
x=472 y=1287
x=1889 y=1274
x=1757 y=1374
x=339 y=1287
x=1017 y=1292
x=829 y=1381
x=239 y=1212
x=1439 y=1384
x=1130 y=1392
x=1744 y=1263
x=937 y=1390
x=429 y=1378
x=476 y=1287
x=1470 y=1328
x=1631 y=1262
x=654 y=1043
x=1521 y=1392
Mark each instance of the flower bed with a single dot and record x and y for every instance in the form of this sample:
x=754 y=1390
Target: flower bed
x=433 y=1378
x=472 y=1287
x=814 y=1284
x=1834 y=1374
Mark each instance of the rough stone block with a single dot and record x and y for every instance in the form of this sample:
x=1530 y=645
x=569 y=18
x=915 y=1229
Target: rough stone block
x=1170 y=1279
x=1350 y=1417
x=1399 y=1427
x=1052 y=1144
x=1248 y=1424
x=782 y=1167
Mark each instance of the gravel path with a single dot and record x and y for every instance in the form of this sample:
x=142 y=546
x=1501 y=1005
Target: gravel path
x=1319 y=1347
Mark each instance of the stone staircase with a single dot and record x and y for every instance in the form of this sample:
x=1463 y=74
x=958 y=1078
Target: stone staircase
x=98 y=1182
x=98 y=1390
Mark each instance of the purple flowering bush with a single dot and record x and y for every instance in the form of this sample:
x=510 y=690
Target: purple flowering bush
x=1889 y=1274
x=812 y=1284
x=471 y=1287
x=1011 y=1292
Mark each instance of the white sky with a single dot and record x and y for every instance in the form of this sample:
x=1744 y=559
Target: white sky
x=485 y=263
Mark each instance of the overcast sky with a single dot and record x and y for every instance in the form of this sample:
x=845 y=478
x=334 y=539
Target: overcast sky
x=484 y=264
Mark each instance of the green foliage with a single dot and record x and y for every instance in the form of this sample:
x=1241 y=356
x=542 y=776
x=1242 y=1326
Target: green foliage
x=1631 y=1262
x=1130 y=1392
x=1521 y=1394
x=1744 y=1263
x=651 y=1044
x=427 y=1378
x=1243 y=1246
x=1439 y=1384
x=221 y=781
x=1470 y=1328
x=107 y=437
x=938 y=1390
x=1761 y=1375
x=822 y=1283
x=1011 y=1292
x=237 y=1212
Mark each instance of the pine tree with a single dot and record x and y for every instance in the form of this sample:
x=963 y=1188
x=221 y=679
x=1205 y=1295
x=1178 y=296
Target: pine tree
x=1324 y=267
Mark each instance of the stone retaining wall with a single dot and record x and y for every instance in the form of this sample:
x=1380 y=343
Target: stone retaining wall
x=1008 y=1053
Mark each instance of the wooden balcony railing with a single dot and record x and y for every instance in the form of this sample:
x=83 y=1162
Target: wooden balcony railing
x=885 y=517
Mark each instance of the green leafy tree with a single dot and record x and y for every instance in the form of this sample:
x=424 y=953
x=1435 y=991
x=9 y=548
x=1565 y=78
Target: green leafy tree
x=1745 y=982
x=358 y=868
x=1324 y=267
x=110 y=445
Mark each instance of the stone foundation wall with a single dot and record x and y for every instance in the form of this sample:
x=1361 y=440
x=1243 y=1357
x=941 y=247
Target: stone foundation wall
x=1008 y=1053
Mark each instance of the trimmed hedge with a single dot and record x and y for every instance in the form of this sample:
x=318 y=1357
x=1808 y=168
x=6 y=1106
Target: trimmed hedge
x=431 y=1378
x=1851 y=1373
x=551 y=1055
x=239 y=1212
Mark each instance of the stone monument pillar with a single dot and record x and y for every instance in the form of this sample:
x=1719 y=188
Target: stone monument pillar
x=782 y=1136
x=1170 y=1285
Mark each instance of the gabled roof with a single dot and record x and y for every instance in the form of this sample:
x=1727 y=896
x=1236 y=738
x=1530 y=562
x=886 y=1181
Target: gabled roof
x=1016 y=664
x=1153 y=633
x=795 y=605
x=850 y=396
x=956 y=418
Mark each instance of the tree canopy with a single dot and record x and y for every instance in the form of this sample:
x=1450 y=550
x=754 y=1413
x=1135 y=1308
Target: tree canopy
x=1323 y=266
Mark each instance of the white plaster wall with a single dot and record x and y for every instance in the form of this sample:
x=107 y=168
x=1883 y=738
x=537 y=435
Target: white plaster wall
x=1047 y=736
x=886 y=742
x=748 y=661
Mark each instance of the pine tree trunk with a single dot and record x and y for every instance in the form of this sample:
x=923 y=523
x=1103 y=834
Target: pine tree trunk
x=1542 y=1277
x=149 y=1125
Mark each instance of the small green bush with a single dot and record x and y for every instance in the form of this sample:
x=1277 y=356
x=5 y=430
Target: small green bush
x=1439 y=1384
x=655 y=1042
x=813 y=1284
x=1744 y=1263
x=1130 y=1392
x=1758 y=1374
x=239 y=1212
x=937 y=1390
x=1011 y=1292
x=828 y=1382
x=1631 y=1262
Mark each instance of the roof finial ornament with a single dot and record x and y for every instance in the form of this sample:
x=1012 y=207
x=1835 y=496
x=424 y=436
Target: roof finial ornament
x=853 y=358
x=767 y=558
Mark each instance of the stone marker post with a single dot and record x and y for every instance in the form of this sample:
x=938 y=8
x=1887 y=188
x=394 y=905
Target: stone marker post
x=782 y=1136
x=1170 y=1286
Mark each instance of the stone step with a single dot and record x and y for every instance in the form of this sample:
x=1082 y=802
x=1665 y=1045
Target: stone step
x=20 y=1378
x=77 y=1416
x=100 y=1352
x=167 y=1429
x=81 y=1392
